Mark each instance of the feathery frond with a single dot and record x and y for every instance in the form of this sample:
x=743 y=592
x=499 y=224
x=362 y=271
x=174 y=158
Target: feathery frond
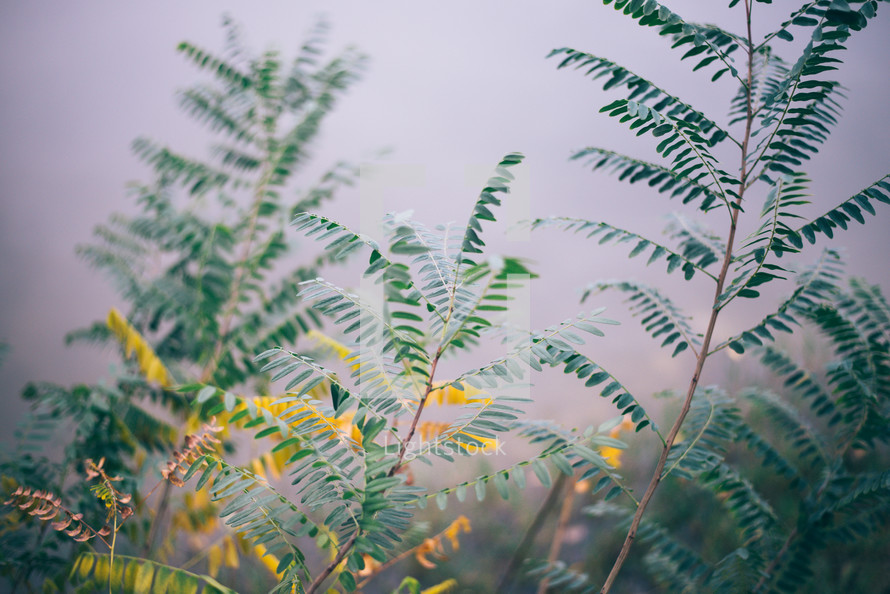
x=693 y=260
x=656 y=176
x=658 y=314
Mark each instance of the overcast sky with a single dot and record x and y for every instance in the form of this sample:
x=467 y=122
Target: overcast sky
x=451 y=88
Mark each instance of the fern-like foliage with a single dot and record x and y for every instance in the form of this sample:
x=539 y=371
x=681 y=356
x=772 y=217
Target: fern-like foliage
x=213 y=315
x=691 y=256
x=781 y=114
x=801 y=106
x=219 y=286
x=711 y=426
x=658 y=315
x=440 y=293
x=815 y=284
x=639 y=90
x=656 y=176
x=558 y=575
x=804 y=441
x=567 y=452
x=204 y=278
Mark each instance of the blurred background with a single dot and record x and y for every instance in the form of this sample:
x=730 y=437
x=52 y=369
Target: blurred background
x=449 y=90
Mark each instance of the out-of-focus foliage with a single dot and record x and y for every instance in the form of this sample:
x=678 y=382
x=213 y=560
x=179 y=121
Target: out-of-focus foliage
x=333 y=497
x=794 y=476
x=204 y=302
x=208 y=279
x=353 y=483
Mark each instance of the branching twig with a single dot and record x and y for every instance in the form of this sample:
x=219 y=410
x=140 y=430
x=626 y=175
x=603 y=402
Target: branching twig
x=559 y=534
x=344 y=550
x=525 y=544
x=715 y=312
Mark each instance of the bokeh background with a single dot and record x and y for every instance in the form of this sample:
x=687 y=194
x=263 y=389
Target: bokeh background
x=450 y=88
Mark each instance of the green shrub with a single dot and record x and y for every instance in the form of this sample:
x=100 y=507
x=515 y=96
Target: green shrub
x=347 y=433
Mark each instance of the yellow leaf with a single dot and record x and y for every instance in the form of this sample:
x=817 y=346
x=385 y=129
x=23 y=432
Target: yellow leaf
x=461 y=524
x=371 y=567
x=272 y=468
x=154 y=371
x=270 y=561
x=448 y=585
x=257 y=467
x=626 y=425
x=339 y=349
x=131 y=343
x=613 y=455
x=230 y=552
x=431 y=550
x=432 y=430
x=149 y=363
x=214 y=560
x=430 y=546
x=444 y=393
x=488 y=443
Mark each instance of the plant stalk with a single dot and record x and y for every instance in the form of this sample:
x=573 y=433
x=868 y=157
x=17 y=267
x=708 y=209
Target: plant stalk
x=344 y=550
x=712 y=322
x=525 y=544
x=159 y=517
x=232 y=303
x=341 y=554
x=565 y=513
x=429 y=388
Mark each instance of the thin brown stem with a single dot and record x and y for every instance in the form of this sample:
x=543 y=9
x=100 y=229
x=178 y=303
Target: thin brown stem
x=712 y=322
x=565 y=513
x=429 y=388
x=772 y=566
x=534 y=528
x=231 y=304
x=228 y=316
x=344 y=550
x=159 y=517
x=341 y=554
x=403 y=449
x=150 y=493
x=377 y=571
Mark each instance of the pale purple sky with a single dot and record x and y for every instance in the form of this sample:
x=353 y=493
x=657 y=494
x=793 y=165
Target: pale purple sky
x=450 y=87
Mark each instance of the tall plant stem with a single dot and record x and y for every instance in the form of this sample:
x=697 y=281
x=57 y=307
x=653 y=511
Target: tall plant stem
x=344 y=550
x=341 y=554
x=565 y=514
x=235 y=293
x=159 y=516
x=213 y=362
x=521 y=552
x=706 y=342
x=426 y=394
